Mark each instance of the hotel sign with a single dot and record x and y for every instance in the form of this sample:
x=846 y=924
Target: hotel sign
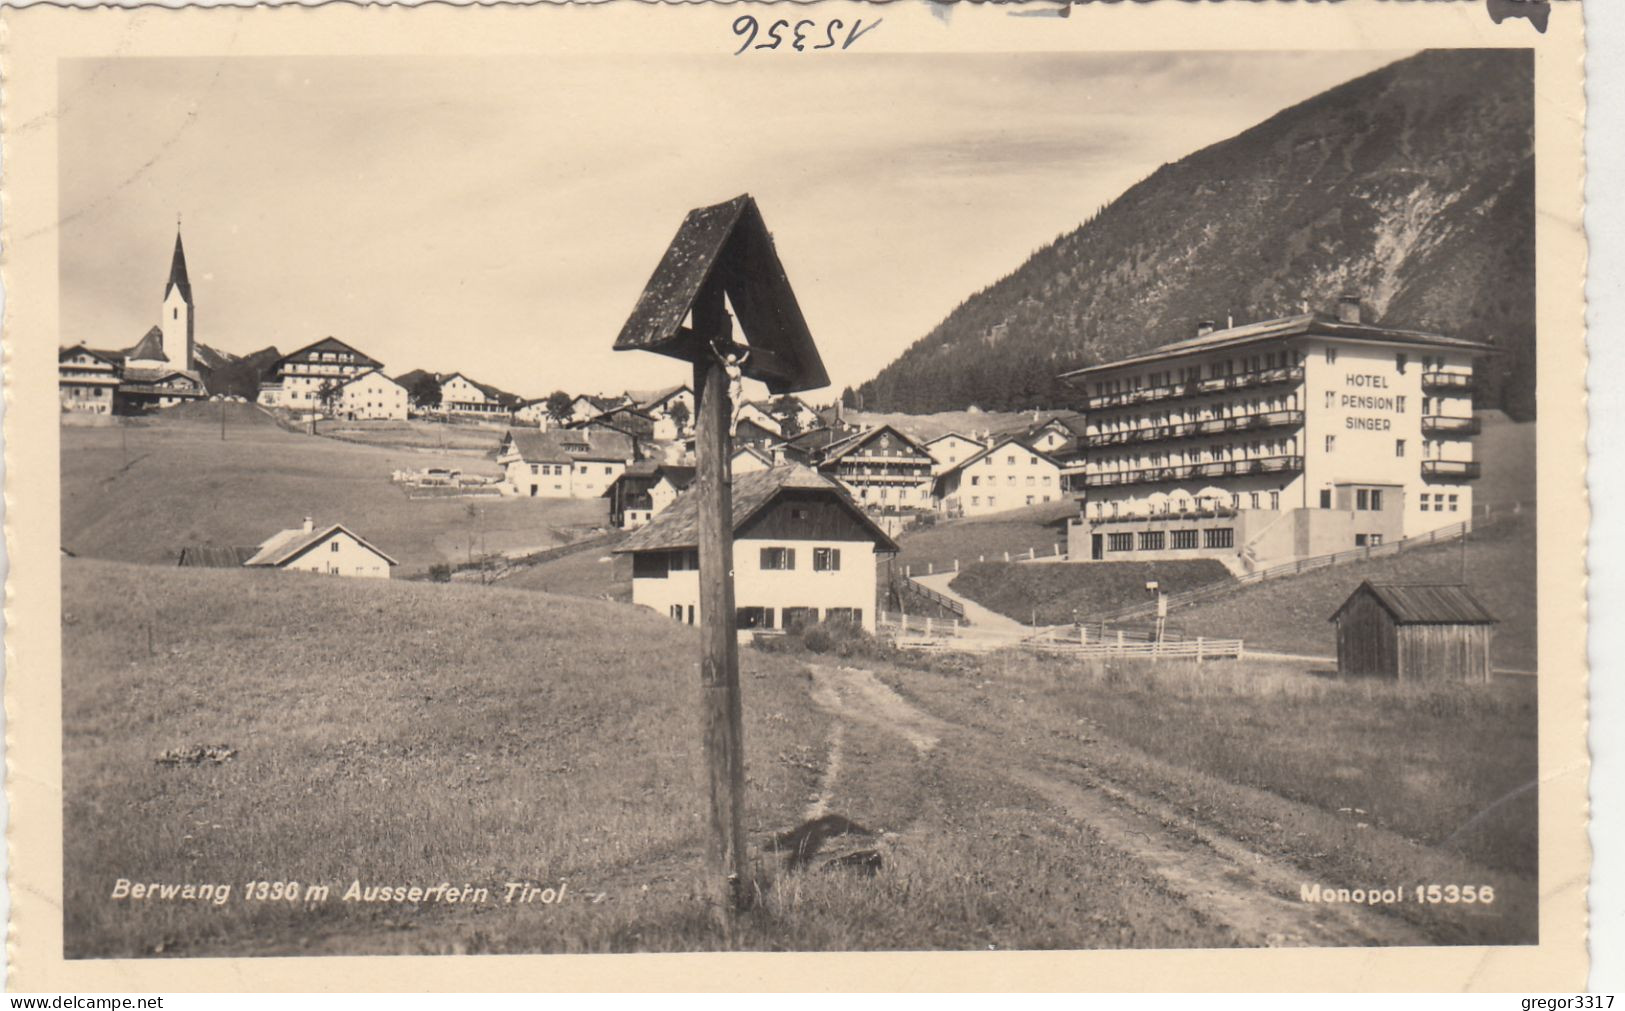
x=1364 y=392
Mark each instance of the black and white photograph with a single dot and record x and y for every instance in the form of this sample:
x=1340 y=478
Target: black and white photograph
x=866 y=501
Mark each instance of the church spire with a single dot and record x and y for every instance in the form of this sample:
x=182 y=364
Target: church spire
x=177 y=269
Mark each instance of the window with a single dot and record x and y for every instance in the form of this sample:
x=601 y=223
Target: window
x=799 y=617
x=976 y=479
x=1331 y=356
x=1400 y=360
x=534 y=468
x=1030 y=481
x=1029 y=500
x=1376 y=500
x=1374 y=540
x=1399 y=447
x=1151 y=540
x=1184 y=540
x=1359 y=540
x=1362 y=499
x=691 y=614
x=1425 y=503
x=847 y=615
x=753 y=617
x=826 y=559
x=1252 y=500
x=1331 y=443
x=677 y=612
x=684 y=561
x=609 y=470
x=1325 y=498
x=779 y=559
x=976 y=500
x=1010 y=479
x=991 y=500
x=648 y=565
x=1219 y=537
x=1275 y=501
x=1119 y=542
x=1452 y=503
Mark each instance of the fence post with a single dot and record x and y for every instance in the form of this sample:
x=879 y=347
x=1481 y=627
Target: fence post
x=928 y=625
x=906 y=571
x=1007 y=556
x=1032 y=553
x=1198 y=649
x=956 y=565
x=930 y=568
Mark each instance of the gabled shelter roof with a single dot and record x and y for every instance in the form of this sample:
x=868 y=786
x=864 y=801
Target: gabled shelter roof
x=1424 y=603
x=288 y=545
x=728 y=245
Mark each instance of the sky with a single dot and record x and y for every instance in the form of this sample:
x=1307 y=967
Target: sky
x=499 y=217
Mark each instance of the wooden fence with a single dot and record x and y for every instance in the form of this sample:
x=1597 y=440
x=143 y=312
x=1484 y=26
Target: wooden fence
x=908 y=585
x=898 y=624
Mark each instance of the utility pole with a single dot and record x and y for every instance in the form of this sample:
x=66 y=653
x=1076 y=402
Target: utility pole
x=722 y=712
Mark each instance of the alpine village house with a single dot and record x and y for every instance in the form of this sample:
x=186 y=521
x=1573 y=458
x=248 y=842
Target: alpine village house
x=803 y=552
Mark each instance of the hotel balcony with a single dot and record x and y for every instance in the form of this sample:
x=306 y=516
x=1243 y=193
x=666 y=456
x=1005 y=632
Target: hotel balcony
x=1435 y=424
x=1198 y=387
x=1210 y=513
x=1451 y=470
x=1192 y=471
x=1440 y=381
x=1191 y=429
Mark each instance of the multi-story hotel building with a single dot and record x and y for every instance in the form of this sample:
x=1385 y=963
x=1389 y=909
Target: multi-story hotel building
x=1270 y=441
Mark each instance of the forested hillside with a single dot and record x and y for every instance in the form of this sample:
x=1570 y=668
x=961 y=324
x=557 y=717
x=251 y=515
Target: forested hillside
x=1412 y=186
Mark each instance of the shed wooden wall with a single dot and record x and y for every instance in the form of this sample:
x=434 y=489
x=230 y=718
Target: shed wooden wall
x=1444 y=652
x=1366 y=640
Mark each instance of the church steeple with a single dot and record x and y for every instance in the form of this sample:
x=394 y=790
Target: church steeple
x=177 y=269
x=177 y=322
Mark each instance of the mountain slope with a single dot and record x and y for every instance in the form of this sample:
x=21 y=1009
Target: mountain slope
x=226 y=373
x=1412 y=186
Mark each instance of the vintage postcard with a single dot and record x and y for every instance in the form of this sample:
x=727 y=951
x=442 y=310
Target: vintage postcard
x=1085 y=498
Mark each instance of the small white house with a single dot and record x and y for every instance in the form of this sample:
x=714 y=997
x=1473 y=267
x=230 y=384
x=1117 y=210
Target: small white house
x=952 y=449
x=334 y=551
x=564 y=463
x=803 y=552
x=372 y=396
x=1007 y=475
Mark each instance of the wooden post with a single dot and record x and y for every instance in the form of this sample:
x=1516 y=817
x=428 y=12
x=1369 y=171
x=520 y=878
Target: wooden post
x=722 y=714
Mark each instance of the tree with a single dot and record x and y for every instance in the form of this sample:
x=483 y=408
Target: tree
x=849 y=399
x=425 y=392
x=560 y=405
x=679 y=415
x=788 y=411
x=329 y=394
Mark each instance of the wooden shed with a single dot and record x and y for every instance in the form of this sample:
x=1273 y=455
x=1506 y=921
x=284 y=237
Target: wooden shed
x=1431 y=632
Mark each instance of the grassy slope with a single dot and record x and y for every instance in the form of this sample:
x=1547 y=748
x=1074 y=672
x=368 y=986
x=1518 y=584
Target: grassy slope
x=1058 y=593
x=419 y=434
x=593 y=573
x=1291 y=615
x=420 y=732
x=1015 y=531
x=178 y=483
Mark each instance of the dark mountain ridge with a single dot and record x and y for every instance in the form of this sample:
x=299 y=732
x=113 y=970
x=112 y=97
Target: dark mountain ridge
x=1412 y=187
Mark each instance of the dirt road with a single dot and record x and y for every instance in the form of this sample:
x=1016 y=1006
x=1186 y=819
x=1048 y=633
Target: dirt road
x=1249 y=895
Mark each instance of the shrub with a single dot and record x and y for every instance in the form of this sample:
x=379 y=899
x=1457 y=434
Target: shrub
x=440 y=573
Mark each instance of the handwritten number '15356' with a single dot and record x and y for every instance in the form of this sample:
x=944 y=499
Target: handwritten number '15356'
x=801 y=35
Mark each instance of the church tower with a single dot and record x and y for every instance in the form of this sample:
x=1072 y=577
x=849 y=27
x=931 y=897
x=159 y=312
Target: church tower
x=177 y=320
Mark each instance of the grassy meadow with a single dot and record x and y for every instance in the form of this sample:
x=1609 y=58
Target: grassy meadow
x=416 y=433
x=1350 y=780
x=141 y=490
x=1057 y=594
x=1016 y=531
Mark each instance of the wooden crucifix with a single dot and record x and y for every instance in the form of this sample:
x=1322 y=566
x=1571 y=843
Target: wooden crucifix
x=723 y=255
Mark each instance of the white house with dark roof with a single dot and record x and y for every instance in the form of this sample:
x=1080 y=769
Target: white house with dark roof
x=333 y=551
x=460 y=395
x=372 y=396
x=564 y=463
x=884 y=468
x=803 y=552
x=1006 y=475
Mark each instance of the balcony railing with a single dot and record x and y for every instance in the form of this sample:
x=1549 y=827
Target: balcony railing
x=1440 y=380
x=1190 y=471
x=1171 y=516
x=1190 y=429
x=1435 y=424
x=1458 y=470
x=1198 y=387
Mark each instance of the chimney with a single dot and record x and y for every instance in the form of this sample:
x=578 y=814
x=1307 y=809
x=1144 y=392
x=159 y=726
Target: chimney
x=1204 y=328
x=310 y=525
x=1348 y=309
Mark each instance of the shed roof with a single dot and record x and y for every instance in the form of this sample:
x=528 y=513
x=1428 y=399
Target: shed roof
x=1424 y=603
x=728 y=244
x=210 y=556
x=678 y=526
x=598 y=442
